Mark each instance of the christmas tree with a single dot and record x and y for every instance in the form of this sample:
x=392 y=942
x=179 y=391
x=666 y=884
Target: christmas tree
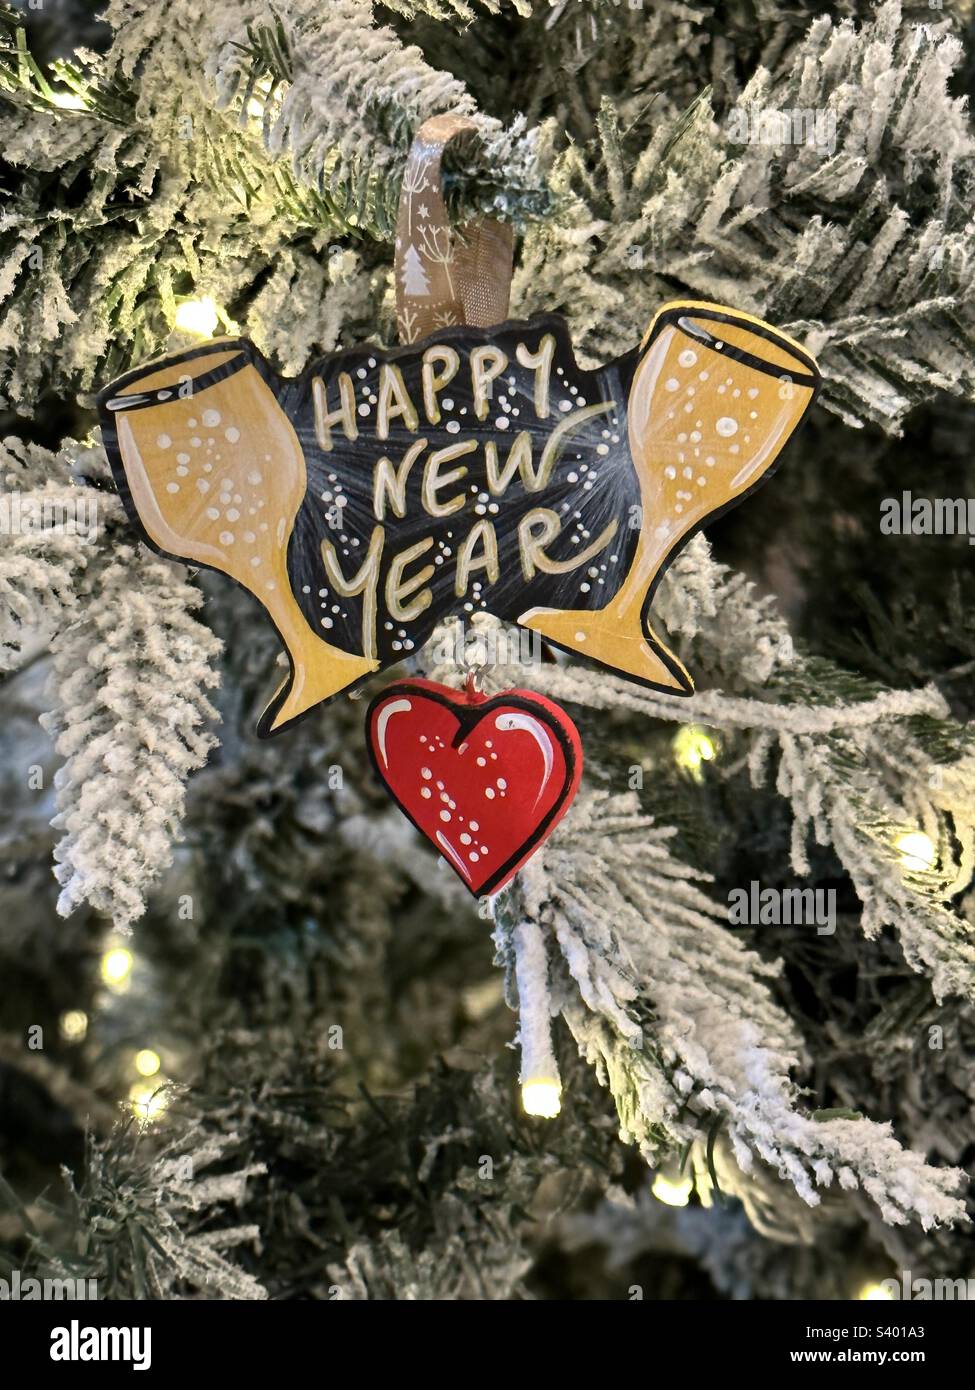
x=414 y=276
x=256 y=1041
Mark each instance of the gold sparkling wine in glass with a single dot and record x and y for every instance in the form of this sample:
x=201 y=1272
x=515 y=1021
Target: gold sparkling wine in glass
x=715 y=397
x=216 y=473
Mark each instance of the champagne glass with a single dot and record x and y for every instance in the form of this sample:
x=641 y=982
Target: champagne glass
x=213 y=471
x=715 y=397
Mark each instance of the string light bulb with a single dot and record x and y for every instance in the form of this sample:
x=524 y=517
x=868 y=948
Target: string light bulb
x=73 y=1025
x=541 y=1097
x=116 y=967
x=672 y=1191
x=198 y=316
x=916 y=850
x=68 y=101
x=255 y=105
x=148 y=1099
x=692 y=747
x=147 y=1062
x=875 y=1293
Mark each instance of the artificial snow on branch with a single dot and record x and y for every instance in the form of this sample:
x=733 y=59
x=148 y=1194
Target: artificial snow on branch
x=49 y=531
x=673 y=1012
x=833 y=199
x=130 y=719
x=856 y=770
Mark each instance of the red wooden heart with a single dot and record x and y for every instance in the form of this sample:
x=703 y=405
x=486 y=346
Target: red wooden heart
x=486 y=779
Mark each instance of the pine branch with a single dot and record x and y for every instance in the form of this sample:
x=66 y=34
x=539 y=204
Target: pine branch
x=50 y=530
x=130 y=721
x=673 y=1013
x=137 y=200
x=851 y=229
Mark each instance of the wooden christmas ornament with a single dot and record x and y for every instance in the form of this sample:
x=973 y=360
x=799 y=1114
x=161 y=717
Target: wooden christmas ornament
x=480 y=470
x=485 y=779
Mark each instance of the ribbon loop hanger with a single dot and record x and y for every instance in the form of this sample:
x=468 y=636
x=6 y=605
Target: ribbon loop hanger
x=445 y=275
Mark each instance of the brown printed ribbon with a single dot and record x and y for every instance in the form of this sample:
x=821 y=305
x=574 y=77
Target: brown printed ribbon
x=445 y=275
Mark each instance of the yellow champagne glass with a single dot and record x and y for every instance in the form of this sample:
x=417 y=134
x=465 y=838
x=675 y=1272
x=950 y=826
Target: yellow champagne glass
x=714 y=398
x=216 y=474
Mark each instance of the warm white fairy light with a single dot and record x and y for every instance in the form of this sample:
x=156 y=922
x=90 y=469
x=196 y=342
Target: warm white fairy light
x=542 y=1098
x=672 y=1191
x=693 y=746
x=68 y=101
x=916 y=850
x=255 y=104
x=73 y=1025
x=198 y=316
x=149 y=1099
x=116 y=967
x=875 y=1293
x=147 y=1062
